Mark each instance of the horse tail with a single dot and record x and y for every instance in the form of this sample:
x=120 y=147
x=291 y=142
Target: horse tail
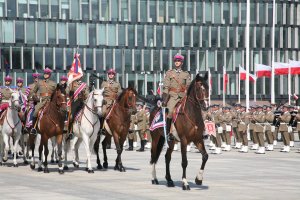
x=155 y=153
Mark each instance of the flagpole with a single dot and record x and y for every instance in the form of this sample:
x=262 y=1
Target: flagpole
x=247 y=53
x=160 y=85
x=289 y=85
x=224 y=85
x=273 y=55
x=209 y=83
x=239 y=89
x=254 y=85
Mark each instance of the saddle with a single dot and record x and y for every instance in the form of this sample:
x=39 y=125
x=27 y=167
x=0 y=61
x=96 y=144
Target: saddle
x=2 y=117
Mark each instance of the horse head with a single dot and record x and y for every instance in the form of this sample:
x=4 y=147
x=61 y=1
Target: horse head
x=95 y=101
x=60 y=98
x=127 y=99
x=14 y=102
x=199 y=90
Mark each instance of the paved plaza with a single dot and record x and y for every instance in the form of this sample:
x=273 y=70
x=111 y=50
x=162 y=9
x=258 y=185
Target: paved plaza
x=231 y=175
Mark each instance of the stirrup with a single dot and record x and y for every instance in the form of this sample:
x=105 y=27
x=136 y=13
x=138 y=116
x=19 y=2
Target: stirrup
x=170 y=137
x=33 y=131
x=70 y=136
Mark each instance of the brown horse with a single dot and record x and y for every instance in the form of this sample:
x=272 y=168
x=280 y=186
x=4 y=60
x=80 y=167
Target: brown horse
x=51 y=124
x=189 y=127
x=117 y=126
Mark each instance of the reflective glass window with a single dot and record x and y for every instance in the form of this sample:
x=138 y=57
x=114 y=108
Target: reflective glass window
x=51 y=33
x=147 y=60
x=59 y=58
x=5 y=55
x=180 y=12
x=226 y=13
x=199 y=12
x=211 y=58
x=2 y=8
x=65 y=9
x=235 y=13
x=114 y=10
x=152 y=8
x=81 y=31
x=253 y=13
x=99 y=59
x=38 y=57
x=62 y=33
x=258 y=37
x=95 y=9
x=49 y=58
x=193 y=62
x=220 y=61
x=54 y=9
x=195 y=36
x=262 y=13
x=137 y=60
x=150 y=36
x=20 y=36
x=131 y=36
x=208 y=12
x=229 y=60
x=165 y=60
x=121 y=34
x=279 y=13
x=223 y=36
x=238 y=58
x=89 y=59
x=69 y=57
x=11 y=8
x=133 y=10
x=33 y=8
x=41 y=33
x=118 y=60
x=168 y=36
x=30 y=32
x=243 y=12
x=171 y=10
x=268 y=37
x=8 y=31
x=92 y=35
x=187 y=36
x=75 y=9
x=231 y=36
x=112 y=34
x=190 y=12
x=22 y=6
x=85 y=9
x=140 y=36
x=104 y=10
x=156 y=60
x=214 y=36
x=72 y=34
x=241 y=37
x=16 y=58
x=162 y=15
x=109 y=58
x=205 y=39
x=217 y=13
x=27 y=58
x=124 y=10
x=202 y=60
x=44 y=8
x=102 y=34
x=143 y=11
x=270 y=13
x=128 y=60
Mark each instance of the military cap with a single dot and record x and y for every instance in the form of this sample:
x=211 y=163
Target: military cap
x=268 y=106
x=139 y=104
x=285 y=106
x=259 y=106
x=226 y=108
x=237 y=105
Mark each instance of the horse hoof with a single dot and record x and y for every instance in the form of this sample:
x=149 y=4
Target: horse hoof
x=15 y=165
x=122 y=169
x=76 y=165
x=155 y=182
x=40 y=169
x=198 y=182
x=170 y=184
x=52 y=161
x=60 y=171
x=32 y=166
x=26 y=162
x=116 y=168
x=0 y=163
x=186 y=187
x=57 y=161
x=46 y=170
x=86 y=169
x=66 y=167
x=105 y=165
x=4 y=159
x=90 y=171
x=9 y=152
x=99 y=167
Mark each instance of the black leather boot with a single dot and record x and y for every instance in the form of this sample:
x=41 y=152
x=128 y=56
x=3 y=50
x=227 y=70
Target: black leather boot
x=142 y=146
x=130 y=143
x=102 y=129
x=168 y=128
x=33 y=130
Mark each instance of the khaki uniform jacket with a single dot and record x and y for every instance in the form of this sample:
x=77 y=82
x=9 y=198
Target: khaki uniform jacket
x=83 y=95
x=269 y=120
x=23 y=90
x=243 y=121
x=234 y=114
x=5 y=93
x=298 y=121
x=284 y=120
x=112 y=90
x=132 y=122
x=251 y=124
x=141 y=120
x=225 y=119
x=30 y=95
x=259 y=119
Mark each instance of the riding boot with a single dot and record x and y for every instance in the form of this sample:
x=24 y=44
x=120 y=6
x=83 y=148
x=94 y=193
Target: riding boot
x=102 y=130
x=70 y=132
x=168 y=128
x=142 y=146
x=33 y=130
x=130 y=145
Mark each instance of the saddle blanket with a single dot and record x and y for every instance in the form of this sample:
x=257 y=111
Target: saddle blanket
x=176 y=112
x=29 y=117
x=158 y=121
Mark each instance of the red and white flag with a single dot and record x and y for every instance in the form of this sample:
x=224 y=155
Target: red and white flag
x=295 y=67
x=252 y=77
x=263 y=70
x=243 y=73
x=225 y=79
x=281 y=68
x=75 y=72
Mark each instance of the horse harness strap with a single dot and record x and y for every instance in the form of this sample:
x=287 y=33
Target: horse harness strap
x=183 y=111
x=15 y=125
x=93 y=125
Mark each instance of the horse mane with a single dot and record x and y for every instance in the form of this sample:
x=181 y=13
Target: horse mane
x=60 y=87
x=124 y=92
x=197 y=79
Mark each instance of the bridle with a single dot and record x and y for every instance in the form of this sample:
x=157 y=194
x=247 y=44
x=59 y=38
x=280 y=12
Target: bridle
x=199 y=99
x=12 y=103
x=64 y=102
x=95 y=107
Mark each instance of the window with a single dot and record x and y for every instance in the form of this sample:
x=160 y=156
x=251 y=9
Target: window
x=72 y=34
x=258 y=37
x=128 y=60
x=229 y=60
x=85 y=9
x=217 y=13
x=193 y=63
x=205 y=39
x=152 y=14
x=16 y=61
x=180 y=12
x=199 y=12
x=104 y=10
x=231 y=36
x=171 y=12
x=49 y=58
x=41 y=32
x=223 y=36
x=62 y=33
x=54 y=9
x=51 y=33
x=89 y=59
x=23 y=12
x=44 y=8
x=8 y=31
x=202 y=60
x=65 y=9
x=102 y=34
x=190 y=12
x=262 y=13
x=20 y=36
x=75 y=9
x=159 y=36
x=38 y=57
x=121 y=35
x=95 y=9
x=81 y=31
x=214 y=36
x=147 y=60
x=137 y=60
x=92 y=35
x=133 y=11
x=156 y=60
x=220 y=60
x=140 y=36
x=143 y=11
x=168 y=36
x=187 y=36
x=211 y=59
x=208 y=12
x=243 y=12
x=11 y=8
x=33 y=8
x=252 y=13
x=235 y=13
x=124 y=10
x=226 y=13
x=241 y=37
x=196 y=36
x=112 y=35
x=59 y=58
x=150 y=36
x=268 y=38
x=165 y=60
x=118 y=60
x=109 y=58
x=27 y=57
x=270 y=13
x=238 y=58
x=2 y=8
x=30 y=32
x=161 y=13
x=99 y=59
x=131 y=36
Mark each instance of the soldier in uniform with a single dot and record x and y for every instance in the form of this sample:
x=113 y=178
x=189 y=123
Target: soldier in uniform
x=131 y=133
x=141 y=125
x=226 y=120
x=270 y=128
x=235 y=112
x=253 y=134
x=176 y=83
x=275 y=133
x=63 y=80
x=20 y=87
x=149 y=139
x=283 y=128
x=5 y=93
x=259 y=120
x=293 y=113
x=77 y=101
x=45 y=88
x=298 y=122
x=243 y=121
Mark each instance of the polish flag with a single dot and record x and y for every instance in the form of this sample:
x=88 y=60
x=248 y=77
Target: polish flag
x=252 y=77
x=225 y=79
x=281 y=68
x=263 y=70
x=295 y=66
x=243 y=73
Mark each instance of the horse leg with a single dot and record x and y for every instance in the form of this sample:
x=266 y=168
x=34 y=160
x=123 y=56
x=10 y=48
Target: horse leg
x=15 y=148
x=119 y=166
x=46 y=152
x=104 y=143
x=156 y=147
x=52 y=139
x=59 y=153
x=74 y=147
x=201 y=148
x=40 y=155
x=6 y=146
x=184 y=163
x=168 y=155
x=66 y=144
x=85 y=139
x=25 y=148
x=96 y=149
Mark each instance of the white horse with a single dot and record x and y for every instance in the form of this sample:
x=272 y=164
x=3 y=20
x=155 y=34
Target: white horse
x=86 y=128
x=12 y=127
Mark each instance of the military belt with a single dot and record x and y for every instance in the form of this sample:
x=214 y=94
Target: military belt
x=45 y=94
x=176 y=90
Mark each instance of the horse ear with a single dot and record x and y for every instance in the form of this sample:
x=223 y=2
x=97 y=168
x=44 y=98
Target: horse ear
x=57 y=86
x=205 y=76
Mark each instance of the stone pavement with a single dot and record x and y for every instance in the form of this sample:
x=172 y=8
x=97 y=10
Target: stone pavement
x=231 y=175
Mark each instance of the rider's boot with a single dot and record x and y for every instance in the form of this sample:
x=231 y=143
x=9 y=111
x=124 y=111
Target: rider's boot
x=142 y=146
x=102 y=130
x=70 y=134
x=170 y=136
x=33 y=130
x=130 y=145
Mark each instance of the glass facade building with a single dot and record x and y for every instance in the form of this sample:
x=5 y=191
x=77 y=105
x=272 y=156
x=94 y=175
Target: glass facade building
x=139 y=38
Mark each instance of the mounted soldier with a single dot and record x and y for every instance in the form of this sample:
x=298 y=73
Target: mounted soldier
x=112 y=89
x=63 y=80
x=5 y=93
x=45 y=88
x=176 y=83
